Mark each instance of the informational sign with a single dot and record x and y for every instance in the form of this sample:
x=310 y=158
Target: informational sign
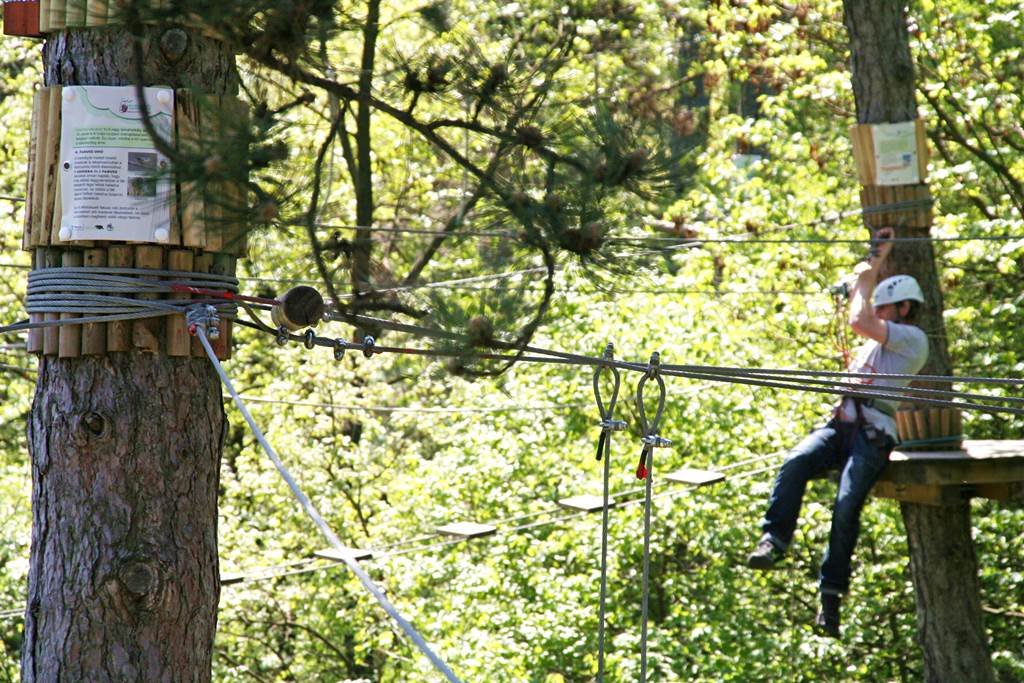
x=895 y=153
x=115 y=184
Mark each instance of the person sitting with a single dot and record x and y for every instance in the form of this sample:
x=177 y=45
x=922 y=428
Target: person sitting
x=857 y=439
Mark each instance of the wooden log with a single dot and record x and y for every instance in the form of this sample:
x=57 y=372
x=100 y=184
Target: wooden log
x=33 y=144
x=34 y=343
x=188 y=121
x=96 y=13
x=921 y=423
x=58 y=15
x=44 y=15
x=935 y=422
x=70 y=336
x=223 y=264
x=958 y=425
x=119 y=333
x=94 y=335
x=76 y=13
x=37 y=198
x=202 y=263
x=946 y=422
x=51 y=335
x=179 y=342
x=905 y=425
x=49 y=157
x=146 y=333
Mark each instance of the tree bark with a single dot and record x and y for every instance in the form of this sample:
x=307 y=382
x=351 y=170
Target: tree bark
x=123 y=578
x=942 y=559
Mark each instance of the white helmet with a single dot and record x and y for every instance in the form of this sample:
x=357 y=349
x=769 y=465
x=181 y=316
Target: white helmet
x=897 y=288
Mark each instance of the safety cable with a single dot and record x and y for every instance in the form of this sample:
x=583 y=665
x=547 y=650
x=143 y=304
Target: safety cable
x=608 y=425
x=199 y=319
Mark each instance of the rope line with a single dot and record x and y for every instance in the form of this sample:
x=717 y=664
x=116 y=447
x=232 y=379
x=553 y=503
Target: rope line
x=311 y=511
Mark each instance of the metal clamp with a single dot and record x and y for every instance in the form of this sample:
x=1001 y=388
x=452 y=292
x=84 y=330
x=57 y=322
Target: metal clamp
x=309 y=338
x=608 y=423
x=339 y=349
x=203 y=316
x=650 y=438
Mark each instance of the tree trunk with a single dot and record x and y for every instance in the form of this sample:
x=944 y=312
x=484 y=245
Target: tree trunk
x=123 y=579
x=943 y=564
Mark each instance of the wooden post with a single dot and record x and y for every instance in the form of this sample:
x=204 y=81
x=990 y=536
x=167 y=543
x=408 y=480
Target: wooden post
x=146 y=333
x=34 y=343
x=202 y=263
x=223 y=264
x=51 y=335
x=179 y=342
x=94 y=335
x=70 y=336
x=119 y=332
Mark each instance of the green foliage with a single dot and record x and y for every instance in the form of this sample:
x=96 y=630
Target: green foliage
x=740 y=112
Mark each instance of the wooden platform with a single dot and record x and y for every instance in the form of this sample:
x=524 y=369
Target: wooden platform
x=984 y=469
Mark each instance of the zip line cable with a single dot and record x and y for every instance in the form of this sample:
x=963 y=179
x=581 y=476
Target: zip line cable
x=198 y=323
x=413 y=409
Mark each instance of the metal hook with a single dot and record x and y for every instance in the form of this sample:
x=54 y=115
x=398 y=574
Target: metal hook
x=339 y=349
x=608 y=424
x=650 y=439
x=309 y=339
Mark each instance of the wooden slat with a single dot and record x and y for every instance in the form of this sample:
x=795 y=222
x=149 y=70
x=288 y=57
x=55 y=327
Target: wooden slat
x=223 y=264
x=146 y=333
x=33 y=144
x=96 y=12
x=44 y=15
x=119 y=333
x=49 y=157
x=179 y=342
x=94 y=335
x=202 y=263
x=585 y=503
x=38 y=196
x=34 y=343
x=335 y=555
x=188 y=121
x=466 y=529
x=695 y=477
x=58 y=15
x=51 y=335
x=76 y=13
x=70 y=336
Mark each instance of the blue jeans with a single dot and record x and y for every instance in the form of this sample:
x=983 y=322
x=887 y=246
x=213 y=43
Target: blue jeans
x=860 y=461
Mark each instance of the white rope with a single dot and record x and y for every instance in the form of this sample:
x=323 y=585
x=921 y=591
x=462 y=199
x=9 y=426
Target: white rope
x=311 y=511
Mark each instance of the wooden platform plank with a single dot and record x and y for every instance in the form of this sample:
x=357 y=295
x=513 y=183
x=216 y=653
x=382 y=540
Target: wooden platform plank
x=585 y=502
x=335 y=555
x=467 y=529
x=695 y=477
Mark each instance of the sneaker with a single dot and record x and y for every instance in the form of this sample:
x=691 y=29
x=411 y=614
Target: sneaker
x=765 y=556
x=827 y=621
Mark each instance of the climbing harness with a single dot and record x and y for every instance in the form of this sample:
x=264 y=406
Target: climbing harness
x=644 y=470
x=608 y=425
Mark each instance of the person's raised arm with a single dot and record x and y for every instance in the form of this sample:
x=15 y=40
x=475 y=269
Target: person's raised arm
x=863 y=320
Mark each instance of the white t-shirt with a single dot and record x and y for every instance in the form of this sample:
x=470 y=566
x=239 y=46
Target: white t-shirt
x=904 y=353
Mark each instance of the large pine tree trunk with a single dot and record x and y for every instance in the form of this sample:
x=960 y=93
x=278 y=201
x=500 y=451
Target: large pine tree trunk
x=942 y=559
x=123 y=581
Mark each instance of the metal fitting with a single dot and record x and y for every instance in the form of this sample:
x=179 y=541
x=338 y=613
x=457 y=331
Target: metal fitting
x=309 y=339
x=613 y=425
x=655 y=441
x=282 y=336
x=339 y=349
x=368 y=344
x=204 y=316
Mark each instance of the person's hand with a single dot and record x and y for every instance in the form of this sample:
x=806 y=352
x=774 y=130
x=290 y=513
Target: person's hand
x=881 y=245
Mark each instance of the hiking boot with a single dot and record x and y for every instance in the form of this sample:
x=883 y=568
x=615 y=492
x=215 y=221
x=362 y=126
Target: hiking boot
x=827 y=621
x=765 y=556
